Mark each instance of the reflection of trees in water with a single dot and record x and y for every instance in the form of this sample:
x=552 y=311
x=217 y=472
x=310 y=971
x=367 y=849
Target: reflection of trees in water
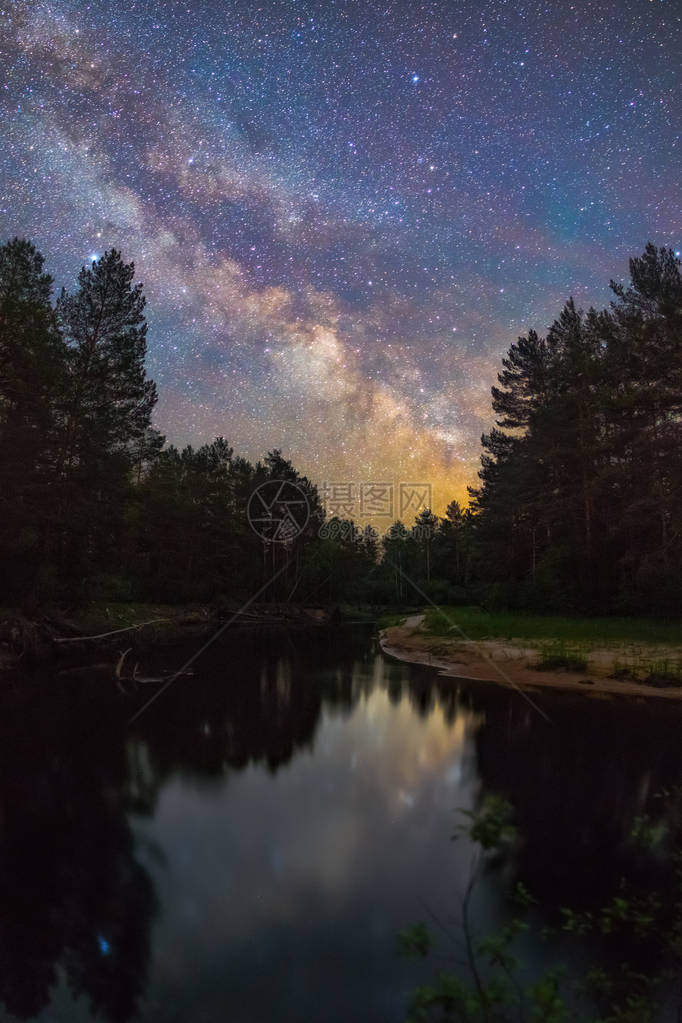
x=72 y=896
x=231 y=714
x=577 y=785
x=427 y=692
x=73 y=899
x=258 y=701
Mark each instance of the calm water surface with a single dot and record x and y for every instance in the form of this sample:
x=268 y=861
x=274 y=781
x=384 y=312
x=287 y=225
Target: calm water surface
x=248 y=849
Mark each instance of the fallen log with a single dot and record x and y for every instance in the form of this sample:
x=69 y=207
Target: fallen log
x=143 y=679
x=114 y=632
x=98 y=674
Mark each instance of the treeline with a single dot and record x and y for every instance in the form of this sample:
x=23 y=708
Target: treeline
x=95 y=505
x=578 y=507
x=580 y=502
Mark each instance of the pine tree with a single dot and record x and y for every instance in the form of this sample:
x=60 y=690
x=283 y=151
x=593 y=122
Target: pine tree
x=525 y=381
x=581 y=502
x=645 y=363
x=107 y=415
x=426 y=524
x=111 y=399
x=32 y=364
x=31 y=349
x=449 y=543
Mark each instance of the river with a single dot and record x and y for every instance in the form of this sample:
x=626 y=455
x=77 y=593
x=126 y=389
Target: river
x=250 y=846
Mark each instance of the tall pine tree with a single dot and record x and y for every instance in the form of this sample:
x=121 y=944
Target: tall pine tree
x=110 y=397
x=32 y=377
x=108 y=409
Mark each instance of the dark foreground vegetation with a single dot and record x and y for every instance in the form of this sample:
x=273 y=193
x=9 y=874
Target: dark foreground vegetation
x=632 y=973
x=578 y=506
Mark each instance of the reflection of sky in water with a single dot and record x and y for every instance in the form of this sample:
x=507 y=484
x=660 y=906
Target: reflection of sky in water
x=302 y=798
x=280 y=890
x=297 y=803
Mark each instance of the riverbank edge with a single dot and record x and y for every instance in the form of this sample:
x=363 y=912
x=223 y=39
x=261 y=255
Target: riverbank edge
x=510 y=664
x=55 y=635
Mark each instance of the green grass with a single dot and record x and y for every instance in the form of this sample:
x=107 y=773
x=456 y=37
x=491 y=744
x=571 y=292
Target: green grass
x=479 y=624
x=558 y=656
x=664 y=673
x=388 y=621
x=105 y=616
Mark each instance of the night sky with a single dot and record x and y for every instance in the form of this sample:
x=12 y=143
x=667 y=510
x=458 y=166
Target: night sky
x=343 y=213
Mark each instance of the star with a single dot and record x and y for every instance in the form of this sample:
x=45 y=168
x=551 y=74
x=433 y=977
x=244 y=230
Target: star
x=281 y=191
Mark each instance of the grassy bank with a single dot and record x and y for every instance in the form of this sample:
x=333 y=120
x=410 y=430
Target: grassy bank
x=480 y=624
x=637 y=649
x=616 y=651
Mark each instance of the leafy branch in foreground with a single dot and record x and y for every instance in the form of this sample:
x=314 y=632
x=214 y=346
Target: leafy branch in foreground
x=635 y=938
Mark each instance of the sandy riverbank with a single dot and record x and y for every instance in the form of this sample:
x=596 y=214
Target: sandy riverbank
x=512 y=663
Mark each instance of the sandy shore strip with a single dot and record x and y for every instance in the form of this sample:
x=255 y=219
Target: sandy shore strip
x=466 y=659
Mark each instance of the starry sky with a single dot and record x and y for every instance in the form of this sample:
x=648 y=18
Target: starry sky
x=343 y=212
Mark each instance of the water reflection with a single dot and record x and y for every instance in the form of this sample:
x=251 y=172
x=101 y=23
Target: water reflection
x=250 y=848
x=578 y=784
x=74 y=900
